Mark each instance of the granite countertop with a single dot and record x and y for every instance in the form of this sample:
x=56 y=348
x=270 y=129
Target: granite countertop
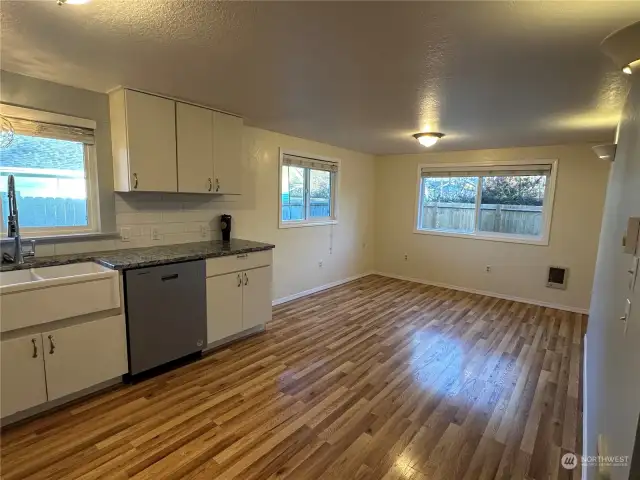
x=149 y=256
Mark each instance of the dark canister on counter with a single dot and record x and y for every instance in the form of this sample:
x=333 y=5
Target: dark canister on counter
x=225 y=226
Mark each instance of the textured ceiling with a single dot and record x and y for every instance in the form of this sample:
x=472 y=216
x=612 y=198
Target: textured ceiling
x=361 y=75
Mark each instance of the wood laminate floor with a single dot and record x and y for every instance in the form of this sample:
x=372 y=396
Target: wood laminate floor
x=378 y=378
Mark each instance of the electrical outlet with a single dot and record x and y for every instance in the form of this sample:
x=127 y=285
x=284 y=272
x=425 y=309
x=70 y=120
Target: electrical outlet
x=155 y=234
x=320 y=263
x=125 y=234
x=203 y=231
x=488 y=269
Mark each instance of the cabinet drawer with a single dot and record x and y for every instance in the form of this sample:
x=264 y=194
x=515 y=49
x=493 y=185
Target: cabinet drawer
x=236 y=263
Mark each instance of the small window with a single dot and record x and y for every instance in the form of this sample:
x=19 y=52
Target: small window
x=51 y=165
x=307 y=190
x=497 y=202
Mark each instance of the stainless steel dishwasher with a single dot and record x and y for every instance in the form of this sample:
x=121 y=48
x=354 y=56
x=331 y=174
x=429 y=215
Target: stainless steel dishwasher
x=166 y=309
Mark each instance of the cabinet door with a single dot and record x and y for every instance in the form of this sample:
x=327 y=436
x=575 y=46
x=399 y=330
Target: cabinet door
x=22 y=383
x=84 y=355
x=194 y=128
x=224 y=306
x=256 y=297
x=151 y=137
x=227 y=153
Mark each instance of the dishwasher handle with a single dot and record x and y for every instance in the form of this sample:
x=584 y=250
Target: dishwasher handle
x=169 y=277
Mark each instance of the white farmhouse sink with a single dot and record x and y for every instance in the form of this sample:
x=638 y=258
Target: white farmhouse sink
x=17 y=277
x=41 y=295
x=71 y=271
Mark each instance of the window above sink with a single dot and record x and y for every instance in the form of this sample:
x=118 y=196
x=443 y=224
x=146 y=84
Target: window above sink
x=53 y=160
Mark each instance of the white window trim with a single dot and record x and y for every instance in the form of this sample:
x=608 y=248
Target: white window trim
x=333 y=219
x=547 y=211
x=91 y=172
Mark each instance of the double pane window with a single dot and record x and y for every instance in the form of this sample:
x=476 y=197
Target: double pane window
x=509 y=201
x=307 y=191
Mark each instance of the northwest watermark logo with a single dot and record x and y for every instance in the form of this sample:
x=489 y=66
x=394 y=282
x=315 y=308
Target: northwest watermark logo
x=570 y=461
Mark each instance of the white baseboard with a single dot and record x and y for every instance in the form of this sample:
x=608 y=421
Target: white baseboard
x=311 y=291
x=486 y=293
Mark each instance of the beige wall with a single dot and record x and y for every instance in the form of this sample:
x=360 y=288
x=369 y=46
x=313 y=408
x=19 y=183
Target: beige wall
x=516 y=270
x=612 y=356
x=345 y=249
x=298 y=251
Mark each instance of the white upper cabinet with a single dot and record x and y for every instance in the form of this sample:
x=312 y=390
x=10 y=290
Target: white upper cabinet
x=160 y=145
x=143 y=136
x=227 y=153
x=194 y=129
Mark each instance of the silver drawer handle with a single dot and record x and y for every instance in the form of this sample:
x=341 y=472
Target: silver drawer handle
x=35 y=348
x=210 y=185
x=53 y=345
x=135 y=180
x=217 y=184
x=239 y=280
x=244 y=255
x=246 y=279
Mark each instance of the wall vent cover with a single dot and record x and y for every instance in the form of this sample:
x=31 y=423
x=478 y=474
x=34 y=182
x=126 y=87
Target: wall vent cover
x=557 y=277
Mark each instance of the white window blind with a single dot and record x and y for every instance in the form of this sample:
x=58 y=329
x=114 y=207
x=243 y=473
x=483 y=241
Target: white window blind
x=49 y=130
x=486 y=171
x=313 y=163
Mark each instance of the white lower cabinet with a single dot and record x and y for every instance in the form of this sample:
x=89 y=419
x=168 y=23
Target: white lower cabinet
x=256 y=297
x=22 y=367
x=224 y=306
x=238 y=301
x=84 y=355
x=49 y=365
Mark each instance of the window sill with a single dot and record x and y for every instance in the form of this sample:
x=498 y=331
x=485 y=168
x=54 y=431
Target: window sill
x=70 y=237
x=306 y=224
x=540 y=241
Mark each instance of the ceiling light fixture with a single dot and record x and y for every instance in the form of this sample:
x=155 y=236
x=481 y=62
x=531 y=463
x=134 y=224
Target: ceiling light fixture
x=627 y=69
x=428 y=139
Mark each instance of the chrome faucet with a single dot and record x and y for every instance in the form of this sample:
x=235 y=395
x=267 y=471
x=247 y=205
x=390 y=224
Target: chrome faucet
x=13 y=227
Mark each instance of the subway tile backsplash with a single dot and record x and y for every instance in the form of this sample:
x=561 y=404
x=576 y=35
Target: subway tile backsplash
x=176 y=218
